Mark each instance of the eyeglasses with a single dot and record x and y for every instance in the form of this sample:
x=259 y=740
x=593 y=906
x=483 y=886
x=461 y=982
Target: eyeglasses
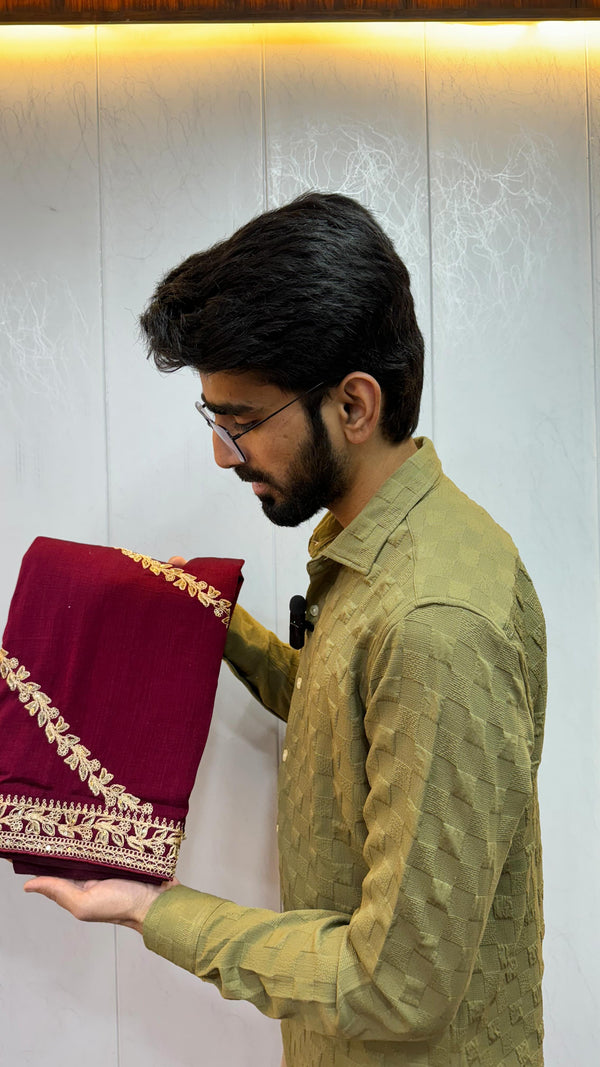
x=231 y=439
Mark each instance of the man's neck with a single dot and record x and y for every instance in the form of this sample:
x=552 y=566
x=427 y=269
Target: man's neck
x=372 y=470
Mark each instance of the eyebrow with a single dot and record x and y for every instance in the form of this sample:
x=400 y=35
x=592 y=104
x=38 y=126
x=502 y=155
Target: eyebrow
x=227 y=409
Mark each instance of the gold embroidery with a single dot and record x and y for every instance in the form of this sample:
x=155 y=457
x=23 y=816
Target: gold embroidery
x=207 y=595
x=76 y=755
x=79 y=831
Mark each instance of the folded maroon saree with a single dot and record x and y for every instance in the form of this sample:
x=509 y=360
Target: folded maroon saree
x=108 y=673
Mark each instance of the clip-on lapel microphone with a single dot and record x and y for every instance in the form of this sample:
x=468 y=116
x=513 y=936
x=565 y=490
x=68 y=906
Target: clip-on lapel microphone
x=299 y=624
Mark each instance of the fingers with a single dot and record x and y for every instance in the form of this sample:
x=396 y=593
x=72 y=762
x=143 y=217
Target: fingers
x=111 y=900
x=67 y=894
x=177 y=561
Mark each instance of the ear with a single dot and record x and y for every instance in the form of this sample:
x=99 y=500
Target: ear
x=359 y=401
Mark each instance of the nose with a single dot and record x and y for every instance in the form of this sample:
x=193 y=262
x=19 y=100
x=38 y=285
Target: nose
x=225 y=456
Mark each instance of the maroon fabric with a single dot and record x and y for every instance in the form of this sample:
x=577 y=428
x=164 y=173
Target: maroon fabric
x=97 y=763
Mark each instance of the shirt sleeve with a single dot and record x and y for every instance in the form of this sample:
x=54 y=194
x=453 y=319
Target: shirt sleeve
x=450 y=736
x=262 y=662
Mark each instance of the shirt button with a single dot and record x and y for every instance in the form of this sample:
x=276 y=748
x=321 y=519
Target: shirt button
x=314 y=610
x=298 y=683
x=284 y=755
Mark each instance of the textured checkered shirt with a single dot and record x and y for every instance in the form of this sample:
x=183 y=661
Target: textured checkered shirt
x=408 y=818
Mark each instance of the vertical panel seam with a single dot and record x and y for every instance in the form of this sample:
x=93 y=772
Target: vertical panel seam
x=265 y=169
x=279 y=732
x=265 y=198
x=588 y=123
x=429 y=225
x=263 y=124
x=117 y=1015
x=106 y=444
x=101 y=288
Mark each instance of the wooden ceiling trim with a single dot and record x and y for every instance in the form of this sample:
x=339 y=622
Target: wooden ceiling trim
x=98 y=11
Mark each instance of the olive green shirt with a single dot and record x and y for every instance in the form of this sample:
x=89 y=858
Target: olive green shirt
x=408 y=829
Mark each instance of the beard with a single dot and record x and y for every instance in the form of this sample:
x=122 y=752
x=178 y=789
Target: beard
x=316 y=479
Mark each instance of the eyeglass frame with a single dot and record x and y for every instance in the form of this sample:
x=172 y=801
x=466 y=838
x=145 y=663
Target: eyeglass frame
x=230 y=439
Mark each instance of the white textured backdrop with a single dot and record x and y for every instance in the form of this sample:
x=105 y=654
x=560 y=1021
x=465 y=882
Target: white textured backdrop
x=122 y=150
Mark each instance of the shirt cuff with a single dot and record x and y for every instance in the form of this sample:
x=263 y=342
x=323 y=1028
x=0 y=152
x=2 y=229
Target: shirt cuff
x=173 y=925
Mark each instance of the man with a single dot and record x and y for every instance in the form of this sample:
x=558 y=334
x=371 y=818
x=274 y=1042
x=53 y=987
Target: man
x=408 y=819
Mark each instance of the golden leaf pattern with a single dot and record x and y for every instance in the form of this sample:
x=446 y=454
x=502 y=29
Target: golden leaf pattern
x=68 y=746
x=206 y=594
x=47 y=827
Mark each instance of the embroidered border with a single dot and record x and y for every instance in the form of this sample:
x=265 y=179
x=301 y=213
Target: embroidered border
x=75 y=755
x=79 y=831
x=206 y=594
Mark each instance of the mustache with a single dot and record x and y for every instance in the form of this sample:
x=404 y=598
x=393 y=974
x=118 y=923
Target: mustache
x=247 y=474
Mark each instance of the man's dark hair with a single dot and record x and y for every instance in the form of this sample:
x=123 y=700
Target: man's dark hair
x=306 y=293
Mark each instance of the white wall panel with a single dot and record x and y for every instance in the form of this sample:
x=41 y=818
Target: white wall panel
x=56 y=978
x=514 y=413
x=345 y=112
x=181 y=167
x=470 y=144
x=590 y=865
x=50 y=355
x=57 y=986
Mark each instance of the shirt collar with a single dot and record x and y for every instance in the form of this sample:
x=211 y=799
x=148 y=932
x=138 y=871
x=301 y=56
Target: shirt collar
x=358 y=544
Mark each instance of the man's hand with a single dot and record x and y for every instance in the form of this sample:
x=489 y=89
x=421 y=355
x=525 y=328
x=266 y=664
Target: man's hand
x=112 y=900
x=177 y=561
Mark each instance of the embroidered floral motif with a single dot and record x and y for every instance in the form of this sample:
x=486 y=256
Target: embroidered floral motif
x=206 y=594
x=48 y=827
x=75 y=755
